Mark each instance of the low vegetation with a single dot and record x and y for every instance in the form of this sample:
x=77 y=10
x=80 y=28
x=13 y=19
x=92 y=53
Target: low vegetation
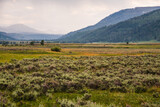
x=19 y=51
x=56 y=49
x=28 y=80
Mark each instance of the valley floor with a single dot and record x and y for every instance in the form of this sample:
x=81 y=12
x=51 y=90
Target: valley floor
x=90 y=75
x=27 y=51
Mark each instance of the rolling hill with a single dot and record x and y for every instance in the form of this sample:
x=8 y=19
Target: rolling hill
x=124 y=15
x=115 y=18
x=34 y=36
x=19 y=28
x=120 y=16
x=141 y=28
x=23 y=32
x=4 y=36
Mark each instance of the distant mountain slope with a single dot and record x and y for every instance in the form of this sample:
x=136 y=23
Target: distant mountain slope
x=33 y=36
x=18 y=28
x=124 y=15
x=4 y=36
x=23 y=32
x=142 y=28
x=115 y=18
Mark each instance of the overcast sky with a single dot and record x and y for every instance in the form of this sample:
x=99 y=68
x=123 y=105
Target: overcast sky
x=62 y=16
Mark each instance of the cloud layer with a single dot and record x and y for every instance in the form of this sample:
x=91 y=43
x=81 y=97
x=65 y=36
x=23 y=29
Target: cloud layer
x=62 y=16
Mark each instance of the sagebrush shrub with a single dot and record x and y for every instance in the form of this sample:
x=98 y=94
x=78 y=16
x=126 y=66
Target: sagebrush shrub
x=86 y=96
x=30 y=96
x=75 y=74
x=140 y=89
x=156 y=95
x=56 y=49
x=18 y=94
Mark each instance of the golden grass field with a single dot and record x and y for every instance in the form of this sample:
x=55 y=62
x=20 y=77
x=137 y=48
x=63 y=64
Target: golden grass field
x=19 y=52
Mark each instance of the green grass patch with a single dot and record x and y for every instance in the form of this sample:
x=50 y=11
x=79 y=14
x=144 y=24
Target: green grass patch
x=105 y=98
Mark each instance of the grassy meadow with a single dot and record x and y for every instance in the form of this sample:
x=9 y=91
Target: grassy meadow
x=81 y=75
x=26 y=51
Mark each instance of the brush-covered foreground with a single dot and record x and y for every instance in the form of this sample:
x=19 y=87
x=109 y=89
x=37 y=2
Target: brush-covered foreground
x=95 y=81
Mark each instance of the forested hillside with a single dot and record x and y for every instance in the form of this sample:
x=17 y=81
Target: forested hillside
x=142 y=28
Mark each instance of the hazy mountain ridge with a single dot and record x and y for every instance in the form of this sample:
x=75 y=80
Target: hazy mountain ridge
x=19 y=28
x=34 y=36
x=23 y=32
x=142 y=28
x=4 y=36
x=125 y=15
x=112 y=19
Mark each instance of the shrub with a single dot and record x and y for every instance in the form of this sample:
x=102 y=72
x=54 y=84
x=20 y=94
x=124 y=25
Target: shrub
x=77 y=103
x=49 y=84
x=66 y=103
x=32 y=43
x=49 y=95
x=112 y=105
x=118 y=89
x=145 y=104
x=83 y=91
x=18 y=94
x=71 y=90
x=56 y=49
x=156 y=95
x=86 y=96
x=3 y=84
x=81 y=102
x=140 y=89
x=30 y=96
x=9 y=66
x=3 y=101
x=93 y=84
x=11 y=86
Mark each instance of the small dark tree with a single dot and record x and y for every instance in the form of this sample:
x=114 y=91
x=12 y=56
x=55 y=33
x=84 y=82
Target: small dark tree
x=57 y=49
x=32 y=43
x=127 y=43
x=5 y=43
x=42 y=42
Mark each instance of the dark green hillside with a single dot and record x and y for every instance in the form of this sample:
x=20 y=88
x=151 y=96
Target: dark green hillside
x=120 y=16
x=115 y=18
x=142 y=28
